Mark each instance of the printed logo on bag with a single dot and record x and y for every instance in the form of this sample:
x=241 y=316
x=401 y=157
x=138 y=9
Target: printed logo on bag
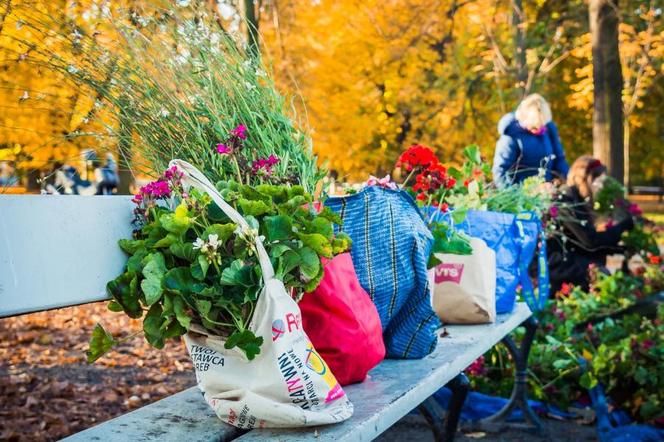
x=278 y=329
x=204 y=357
x=317 y=364
x=448 y=273
x=299 y=384
x=293 y=322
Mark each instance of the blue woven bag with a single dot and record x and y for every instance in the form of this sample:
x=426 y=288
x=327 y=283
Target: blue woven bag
x=500 y=232
x=391 y=246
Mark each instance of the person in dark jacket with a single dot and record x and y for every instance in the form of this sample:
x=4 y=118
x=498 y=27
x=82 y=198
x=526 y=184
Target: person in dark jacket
x=528 y=141
x=584 y=245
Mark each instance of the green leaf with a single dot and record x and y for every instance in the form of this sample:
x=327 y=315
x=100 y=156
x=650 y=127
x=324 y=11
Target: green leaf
x=313 y=284
x=247 y=341
x=177 y=222
x=135 y=262
x=472 y=153
x=200 y=268
x=223 y=231
x=295 y=190
x=121 y=290
x=322 y=226
x=588 y=380
x=277 y=250
x=114 y=306
x=459 y=215
x=236 y=274
x=278 y=227
x=166 y=241
x=330 y=215
x=341 y=243
x=131 y=246
x=181 y=280
x=277 y=193
x=154 y=273
x=183 y=250
x=203 y=307
x=289 y=261
x=179 y=306
x=317 y=242
x=253 y=208
x=309 y=263
x=152 y=326
x=101 y=342
x=560 y=364
x=293 y=203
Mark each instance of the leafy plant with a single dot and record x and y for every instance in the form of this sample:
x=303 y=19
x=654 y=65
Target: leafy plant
x=624 y=351
x=190 y=264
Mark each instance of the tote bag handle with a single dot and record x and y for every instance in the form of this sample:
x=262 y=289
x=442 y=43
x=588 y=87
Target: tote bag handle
x=193 y=177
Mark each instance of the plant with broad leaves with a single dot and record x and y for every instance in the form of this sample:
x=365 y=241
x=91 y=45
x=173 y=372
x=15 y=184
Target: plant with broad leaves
x=190 y=264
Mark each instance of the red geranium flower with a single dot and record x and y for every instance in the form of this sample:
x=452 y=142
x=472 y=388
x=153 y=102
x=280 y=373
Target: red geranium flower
x=451 y=182
x=418 y=156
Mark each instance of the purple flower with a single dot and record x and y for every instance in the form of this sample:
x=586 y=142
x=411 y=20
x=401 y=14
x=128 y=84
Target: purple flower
x=223 y=149
x=240 y=132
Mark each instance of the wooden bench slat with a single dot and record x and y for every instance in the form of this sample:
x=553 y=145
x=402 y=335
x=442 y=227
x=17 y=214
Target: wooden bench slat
x=394 y=388
x=184 y=416
x=58 y=251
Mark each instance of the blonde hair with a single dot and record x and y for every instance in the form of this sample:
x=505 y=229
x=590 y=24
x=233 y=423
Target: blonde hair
x=533 y=112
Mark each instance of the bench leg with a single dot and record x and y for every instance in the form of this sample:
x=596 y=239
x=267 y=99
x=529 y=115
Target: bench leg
x=444 y=425
x=519 y=398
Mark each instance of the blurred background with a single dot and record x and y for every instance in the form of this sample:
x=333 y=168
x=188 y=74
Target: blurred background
x=371 y=77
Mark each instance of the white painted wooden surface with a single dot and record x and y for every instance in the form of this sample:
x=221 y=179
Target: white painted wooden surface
x=393 y=389
x=57 y=251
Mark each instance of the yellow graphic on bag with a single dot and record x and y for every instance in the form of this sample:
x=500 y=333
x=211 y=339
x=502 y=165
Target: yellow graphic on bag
x=316 y=364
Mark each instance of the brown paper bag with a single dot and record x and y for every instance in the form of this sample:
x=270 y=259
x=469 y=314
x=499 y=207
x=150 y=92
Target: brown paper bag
x=464 y=286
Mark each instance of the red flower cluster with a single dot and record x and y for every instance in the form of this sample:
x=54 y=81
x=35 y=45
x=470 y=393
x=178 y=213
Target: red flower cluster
x=433 y=175
x=417 y=156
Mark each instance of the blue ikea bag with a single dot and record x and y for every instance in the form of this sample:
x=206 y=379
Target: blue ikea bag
x=390 y=251
x=500 y=232
x=531 y=233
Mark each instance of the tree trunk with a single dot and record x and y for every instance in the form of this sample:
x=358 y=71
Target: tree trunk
x=252 y=27
x=519 y=25
x=608 y=84
x=626 y=128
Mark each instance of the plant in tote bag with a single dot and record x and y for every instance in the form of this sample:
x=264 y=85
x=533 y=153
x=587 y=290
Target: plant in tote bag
x=200 y=268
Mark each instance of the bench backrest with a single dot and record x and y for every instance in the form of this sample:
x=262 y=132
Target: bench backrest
x=59 y=251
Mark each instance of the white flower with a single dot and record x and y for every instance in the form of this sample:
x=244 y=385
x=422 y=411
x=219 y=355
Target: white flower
x=198 y=244
x=164 y=113
x=213 y=241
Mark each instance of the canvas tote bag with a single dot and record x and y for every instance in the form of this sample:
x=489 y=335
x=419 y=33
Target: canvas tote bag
x=288 y=384
x=464 y=286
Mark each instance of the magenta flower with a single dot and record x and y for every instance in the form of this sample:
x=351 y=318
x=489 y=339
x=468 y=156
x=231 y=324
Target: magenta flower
x=647 y=344
x=609 y=224
x=173 y=173
x=553 y=211
x=223 y=149
x=156 y=189
x=240 y=132
x=264 y=165
x=634 y=209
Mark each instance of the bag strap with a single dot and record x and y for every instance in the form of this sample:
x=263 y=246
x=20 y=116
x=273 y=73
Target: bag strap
x=193 y=177
x=543 y=284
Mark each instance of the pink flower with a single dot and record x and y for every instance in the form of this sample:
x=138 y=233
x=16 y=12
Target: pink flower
x=240 y=132
x=155 y=189
x=264 y=165
x=223 y=149
x=385 y=182
x=634 y=209
x=553 y=211
x=647 y=344
x=609 y=224
x=477 y=368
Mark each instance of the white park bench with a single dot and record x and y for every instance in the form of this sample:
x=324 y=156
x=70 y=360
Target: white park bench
x=59 y=251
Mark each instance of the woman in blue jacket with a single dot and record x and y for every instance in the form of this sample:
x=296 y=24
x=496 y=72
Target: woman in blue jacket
x=528 y=141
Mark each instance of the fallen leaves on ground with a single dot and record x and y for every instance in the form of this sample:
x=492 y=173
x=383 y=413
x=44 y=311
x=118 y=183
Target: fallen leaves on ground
x=48 y=390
